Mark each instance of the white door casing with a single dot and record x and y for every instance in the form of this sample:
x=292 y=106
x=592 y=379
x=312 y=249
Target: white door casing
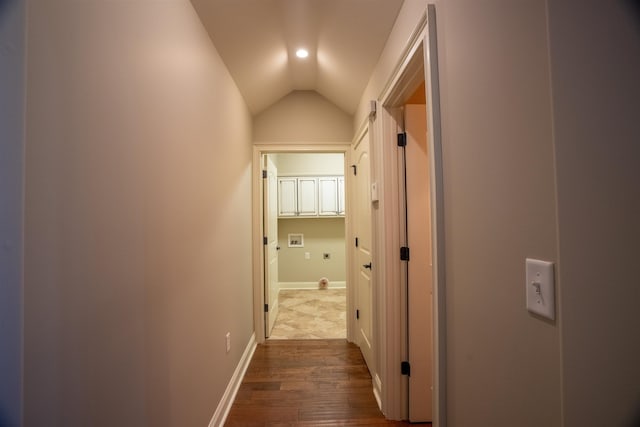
x=417 y=61
x=259 y=249
x=270 y=183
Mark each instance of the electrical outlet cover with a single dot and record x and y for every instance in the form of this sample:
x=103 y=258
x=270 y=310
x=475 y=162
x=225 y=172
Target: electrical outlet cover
x=540 y=289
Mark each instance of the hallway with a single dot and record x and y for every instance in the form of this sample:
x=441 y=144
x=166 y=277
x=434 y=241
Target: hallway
x=305 y=383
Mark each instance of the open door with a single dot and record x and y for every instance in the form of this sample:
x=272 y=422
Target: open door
x=419 y=264
x=363 y=250
x=270 y=183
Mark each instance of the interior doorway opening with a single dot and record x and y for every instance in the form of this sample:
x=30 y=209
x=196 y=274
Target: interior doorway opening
x=303 y=226
x=411 y=220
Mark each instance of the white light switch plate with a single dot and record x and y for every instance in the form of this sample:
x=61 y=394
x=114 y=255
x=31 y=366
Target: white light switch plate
x=540 y=289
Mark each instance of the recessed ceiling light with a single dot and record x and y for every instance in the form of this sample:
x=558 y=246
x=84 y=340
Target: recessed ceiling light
x=302 y=53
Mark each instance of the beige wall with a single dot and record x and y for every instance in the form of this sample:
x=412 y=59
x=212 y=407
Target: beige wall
x=303 y=116
x=500 y=157
x=595 y=64
x=321 y=235
x=499 y=193
x=503 y=364
x=309 y=163
x=137 y=238
x=12 y=85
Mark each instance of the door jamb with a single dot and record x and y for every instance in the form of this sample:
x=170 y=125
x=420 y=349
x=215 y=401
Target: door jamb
x=257 y=232
x=394 y=391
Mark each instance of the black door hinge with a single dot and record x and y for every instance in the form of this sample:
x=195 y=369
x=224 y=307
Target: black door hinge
x=405 y=368
x=265 y=240
x=402 y=139
x=404 y=253
x=356 y=242
x=264 y=174
x=266 y=308
x=355 y=169
x=357 y=314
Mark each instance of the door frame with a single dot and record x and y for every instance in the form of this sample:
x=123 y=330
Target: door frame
x=257 y=233
x=418 y=61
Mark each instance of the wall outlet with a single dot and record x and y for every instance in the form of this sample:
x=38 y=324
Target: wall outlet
x=228 y=338
x=307 y=255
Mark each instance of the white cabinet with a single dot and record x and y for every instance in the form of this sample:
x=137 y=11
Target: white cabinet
x=307 y=197
x=310 y=196
x=287 y=196
x=328 y=196
x=341 y=205
x=297 y=196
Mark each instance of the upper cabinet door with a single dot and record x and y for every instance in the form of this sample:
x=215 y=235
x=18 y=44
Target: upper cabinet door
x=307 y=196
x=341 y=203
x=287 y=197
x=328 y=195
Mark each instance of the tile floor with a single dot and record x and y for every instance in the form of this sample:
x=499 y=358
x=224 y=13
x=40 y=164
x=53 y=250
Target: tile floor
x=311 y=314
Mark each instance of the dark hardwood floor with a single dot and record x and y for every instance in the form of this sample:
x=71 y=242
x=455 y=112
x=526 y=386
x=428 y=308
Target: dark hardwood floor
x=307 y=383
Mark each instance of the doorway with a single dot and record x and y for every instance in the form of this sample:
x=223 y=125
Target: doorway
x=303 y=228
x=412 y=253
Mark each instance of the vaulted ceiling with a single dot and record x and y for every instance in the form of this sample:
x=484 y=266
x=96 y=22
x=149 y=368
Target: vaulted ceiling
x=257 y=40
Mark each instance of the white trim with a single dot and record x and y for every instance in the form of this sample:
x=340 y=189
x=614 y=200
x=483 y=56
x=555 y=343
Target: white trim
x=312 y=285
x=222 y=411
x=434 y=126
x=394 y=393
x=377 y=390
x=410 y=49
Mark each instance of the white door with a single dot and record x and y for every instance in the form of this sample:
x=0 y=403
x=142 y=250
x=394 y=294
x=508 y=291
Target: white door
x=270 y=183
x=420 y=266
x=363 y=250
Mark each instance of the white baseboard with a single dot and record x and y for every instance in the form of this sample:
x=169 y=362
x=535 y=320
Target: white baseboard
x=310 y=285
x=222 y=411
x=377 y=390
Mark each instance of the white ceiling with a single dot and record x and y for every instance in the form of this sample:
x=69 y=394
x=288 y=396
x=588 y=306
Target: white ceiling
x=257 y=40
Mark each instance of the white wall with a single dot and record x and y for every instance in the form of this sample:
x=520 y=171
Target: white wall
x=503 y=364
x=303 y=117
x=595 y=64
x=138 y=187
x=12 y=85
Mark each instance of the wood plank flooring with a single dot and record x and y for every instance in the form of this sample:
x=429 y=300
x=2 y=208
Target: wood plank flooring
x=307 y=383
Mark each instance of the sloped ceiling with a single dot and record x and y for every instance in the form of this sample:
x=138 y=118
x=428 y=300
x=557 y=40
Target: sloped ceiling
x=257 y=40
